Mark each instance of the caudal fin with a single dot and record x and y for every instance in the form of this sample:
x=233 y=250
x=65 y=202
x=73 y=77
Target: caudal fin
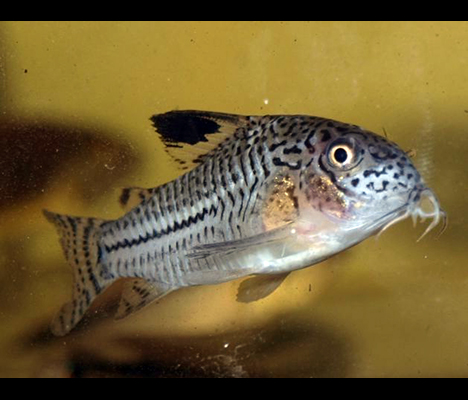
x=79 y=239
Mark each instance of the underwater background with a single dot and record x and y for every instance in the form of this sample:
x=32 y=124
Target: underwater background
x=75 y=103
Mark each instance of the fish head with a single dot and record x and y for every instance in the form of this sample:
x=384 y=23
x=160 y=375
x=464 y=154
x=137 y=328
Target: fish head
x=363 y=183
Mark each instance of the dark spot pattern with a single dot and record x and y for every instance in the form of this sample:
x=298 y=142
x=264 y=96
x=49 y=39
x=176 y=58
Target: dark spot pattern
x=222 y=198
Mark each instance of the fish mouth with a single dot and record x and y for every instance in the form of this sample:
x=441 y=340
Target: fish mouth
x=423 y=204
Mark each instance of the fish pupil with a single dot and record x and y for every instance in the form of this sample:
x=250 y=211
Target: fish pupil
x=341 y=155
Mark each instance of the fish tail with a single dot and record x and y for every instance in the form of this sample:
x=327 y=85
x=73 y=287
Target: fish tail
x=80 y=243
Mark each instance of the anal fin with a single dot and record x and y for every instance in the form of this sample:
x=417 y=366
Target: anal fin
x=137 y=294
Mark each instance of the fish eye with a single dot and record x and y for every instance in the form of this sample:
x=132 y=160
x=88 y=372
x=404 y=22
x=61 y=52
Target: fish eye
x=342 y=155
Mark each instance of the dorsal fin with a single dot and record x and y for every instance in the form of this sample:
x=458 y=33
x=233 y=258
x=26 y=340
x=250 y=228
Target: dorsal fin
x=190 y=135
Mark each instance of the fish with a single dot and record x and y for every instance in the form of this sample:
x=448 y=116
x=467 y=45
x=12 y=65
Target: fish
x=258 y=197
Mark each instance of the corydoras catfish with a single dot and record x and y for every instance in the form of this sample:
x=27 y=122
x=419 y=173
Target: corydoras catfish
x=261 y=196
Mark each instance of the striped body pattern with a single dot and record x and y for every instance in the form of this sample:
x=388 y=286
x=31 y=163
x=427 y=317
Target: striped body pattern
x=266 y=195
x=221 y=200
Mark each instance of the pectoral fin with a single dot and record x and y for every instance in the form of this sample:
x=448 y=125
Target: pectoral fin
x=259 y=287
x=210 y=277
x=250 y=244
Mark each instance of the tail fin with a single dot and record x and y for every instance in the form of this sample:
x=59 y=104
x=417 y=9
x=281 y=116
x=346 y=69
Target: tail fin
x=79 y=239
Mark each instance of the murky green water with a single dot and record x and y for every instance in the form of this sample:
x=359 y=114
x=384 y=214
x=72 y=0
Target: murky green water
x=75 y=104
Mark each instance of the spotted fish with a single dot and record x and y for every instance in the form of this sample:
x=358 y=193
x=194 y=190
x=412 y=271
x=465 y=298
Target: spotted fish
x=262 y=196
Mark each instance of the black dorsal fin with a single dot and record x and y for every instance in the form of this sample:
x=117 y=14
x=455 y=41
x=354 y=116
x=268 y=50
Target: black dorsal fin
x=189 y=135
